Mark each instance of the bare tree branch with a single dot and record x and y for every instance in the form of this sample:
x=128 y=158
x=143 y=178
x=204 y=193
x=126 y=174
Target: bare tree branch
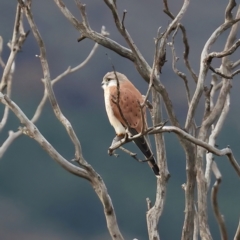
x=14 y=135
x=177 y=72
x=7 y=143
x=96 y=181
x=141 y=65
x=219 y=217
x=71 y=70
x=1 y=47
x=48 y=85
x=197 y=142
x=225 y=151
x=155 y=62
x=212 y=139
x=224 y=53
x=228 y=12
x=196 y=230
x=121 y=28
x=171 y=27
x=204 y=69
x=88 y=172
x=89 y=33
x=17 y=41
x=154 y=213
x=185 y=41
x=237 y=235
x=218 y=72
x=9 y=89
x=235 y=64
x=32 y=131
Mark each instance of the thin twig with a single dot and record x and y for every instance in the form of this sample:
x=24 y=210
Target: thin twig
x=217 y=71
x=235 y=64
x=174 y=60
x=171 y=27
x=224 y=53
x=1 y=48
x=154 y=70
x=235 y=72
x=185 y=41
x=123 y=18
x=131 y=138
x=133 y=155
x=82 y=64
x=59 y=77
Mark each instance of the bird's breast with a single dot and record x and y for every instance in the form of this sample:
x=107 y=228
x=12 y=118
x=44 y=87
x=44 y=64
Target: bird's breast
x=119 y=129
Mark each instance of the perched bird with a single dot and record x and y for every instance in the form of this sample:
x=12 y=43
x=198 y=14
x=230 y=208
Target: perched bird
x=122 y=102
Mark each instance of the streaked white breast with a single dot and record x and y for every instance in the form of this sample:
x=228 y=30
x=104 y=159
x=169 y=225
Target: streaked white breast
x=119 y=129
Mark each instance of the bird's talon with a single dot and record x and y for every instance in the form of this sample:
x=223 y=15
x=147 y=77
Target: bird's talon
x=110 y=152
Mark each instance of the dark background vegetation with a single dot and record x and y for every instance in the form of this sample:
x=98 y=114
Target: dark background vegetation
x=39 y=199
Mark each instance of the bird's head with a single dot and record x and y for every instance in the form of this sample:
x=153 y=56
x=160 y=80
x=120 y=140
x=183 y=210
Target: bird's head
x=111 y=78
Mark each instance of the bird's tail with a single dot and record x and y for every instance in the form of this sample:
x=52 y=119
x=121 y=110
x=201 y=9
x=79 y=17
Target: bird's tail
x=143 y=145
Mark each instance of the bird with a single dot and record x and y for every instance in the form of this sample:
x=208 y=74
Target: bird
x=123 y=106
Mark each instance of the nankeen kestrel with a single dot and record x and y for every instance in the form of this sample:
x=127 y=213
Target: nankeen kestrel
x=130 y=114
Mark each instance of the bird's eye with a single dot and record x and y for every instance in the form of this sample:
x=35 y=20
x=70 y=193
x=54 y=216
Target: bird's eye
x=108 y=79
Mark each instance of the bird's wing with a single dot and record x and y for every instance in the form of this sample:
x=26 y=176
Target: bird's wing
x=129 y=103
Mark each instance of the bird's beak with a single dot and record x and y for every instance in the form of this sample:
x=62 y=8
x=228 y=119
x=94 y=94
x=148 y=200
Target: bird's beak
x=102 y=84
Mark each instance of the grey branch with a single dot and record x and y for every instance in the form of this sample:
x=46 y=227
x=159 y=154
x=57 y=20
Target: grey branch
x=143 y=68
x=9 y=90
x=212 y=138
x=229 y=8
x=87 y=32
x=17 y=41
x=171 y=27
x=154 y=212
x=235 y=64
x=218 y=72
x=14 y=135
x=174 y=61
x=204 y=69
x=225 y=151
x=224 y=53
x=87 y=171
x=1 y=48
x=185 y=41
x=89 y=174
x=32 y=131
x=237 y=234
x=48 y=85
x=219 y=217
